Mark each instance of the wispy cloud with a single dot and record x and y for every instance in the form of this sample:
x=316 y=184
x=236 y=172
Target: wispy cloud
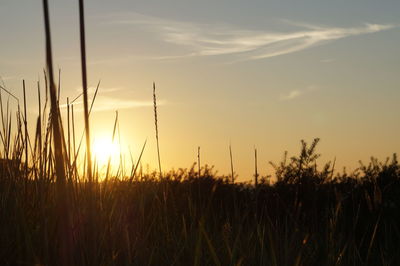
x=297 y=93
x=5 y=78
x=104 y=103
x=291 y=95
x=92 y=89
x=213 y=40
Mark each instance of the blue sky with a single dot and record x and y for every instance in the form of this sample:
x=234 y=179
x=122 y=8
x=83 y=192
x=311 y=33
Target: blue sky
x=250 y=73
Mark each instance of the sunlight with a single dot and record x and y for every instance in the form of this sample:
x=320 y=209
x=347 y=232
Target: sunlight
x=104 y=149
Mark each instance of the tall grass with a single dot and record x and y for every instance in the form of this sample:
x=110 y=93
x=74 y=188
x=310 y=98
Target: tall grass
x=51 y=214
x=186 y=219
x=156 y=127
x=198 y=161
x=255 y=168
x=231 y=160
x=85 y=89
x=63 y=223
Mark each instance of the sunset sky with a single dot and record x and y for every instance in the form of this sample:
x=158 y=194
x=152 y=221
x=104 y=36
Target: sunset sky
x=262 y=74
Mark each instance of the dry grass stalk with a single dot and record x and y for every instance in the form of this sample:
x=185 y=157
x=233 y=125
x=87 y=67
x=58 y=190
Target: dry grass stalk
x=156 y=125
x=64 y=234
x=133 y=174
x=232 y=171
x=112 y=139
x=38 y=137
x=85 y=89
x=198 y=160
x=53 y=100
x=255 y=168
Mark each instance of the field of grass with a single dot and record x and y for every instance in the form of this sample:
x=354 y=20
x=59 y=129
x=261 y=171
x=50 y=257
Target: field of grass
x=53 y=214
x=308 y=217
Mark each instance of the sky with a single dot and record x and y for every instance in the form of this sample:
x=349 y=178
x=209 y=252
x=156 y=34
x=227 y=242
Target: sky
x=262 y=74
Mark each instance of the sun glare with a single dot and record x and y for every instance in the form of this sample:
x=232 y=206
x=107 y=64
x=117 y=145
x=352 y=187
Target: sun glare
x=103 y=150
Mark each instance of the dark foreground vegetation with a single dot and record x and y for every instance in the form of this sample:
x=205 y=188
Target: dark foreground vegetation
x=52 y=215
x=308 y=217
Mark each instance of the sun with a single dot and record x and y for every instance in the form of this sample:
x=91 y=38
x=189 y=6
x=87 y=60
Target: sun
x=105 y=149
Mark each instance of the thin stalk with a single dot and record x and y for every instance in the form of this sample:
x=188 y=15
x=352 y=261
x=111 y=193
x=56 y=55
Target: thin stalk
x=138 y=162
x=76 y=151
x=94 y=97
x=73 y=140
x=112 y=140
x=255 y=168
x=232 y=172
x=333 y=168
x=91 y=195
x=53 y=99
x=59 y=86
x=85 y=89
x=9 y=93
x=156 y=125
x=198 y=159
x=26 y=131
x=3 y=132
x=121 y=159
x=68 y=137
x=132 y=161
x=63 y=228
x=39 y=132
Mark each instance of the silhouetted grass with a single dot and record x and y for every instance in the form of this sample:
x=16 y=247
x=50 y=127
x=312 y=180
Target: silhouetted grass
x=308 y=217
x=50 y=214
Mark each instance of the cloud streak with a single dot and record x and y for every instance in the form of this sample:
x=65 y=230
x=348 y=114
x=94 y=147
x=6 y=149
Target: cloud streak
x=110 y=103
x=102 y=90
x=297 y=93
x=5 y=78
x=214 y=40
